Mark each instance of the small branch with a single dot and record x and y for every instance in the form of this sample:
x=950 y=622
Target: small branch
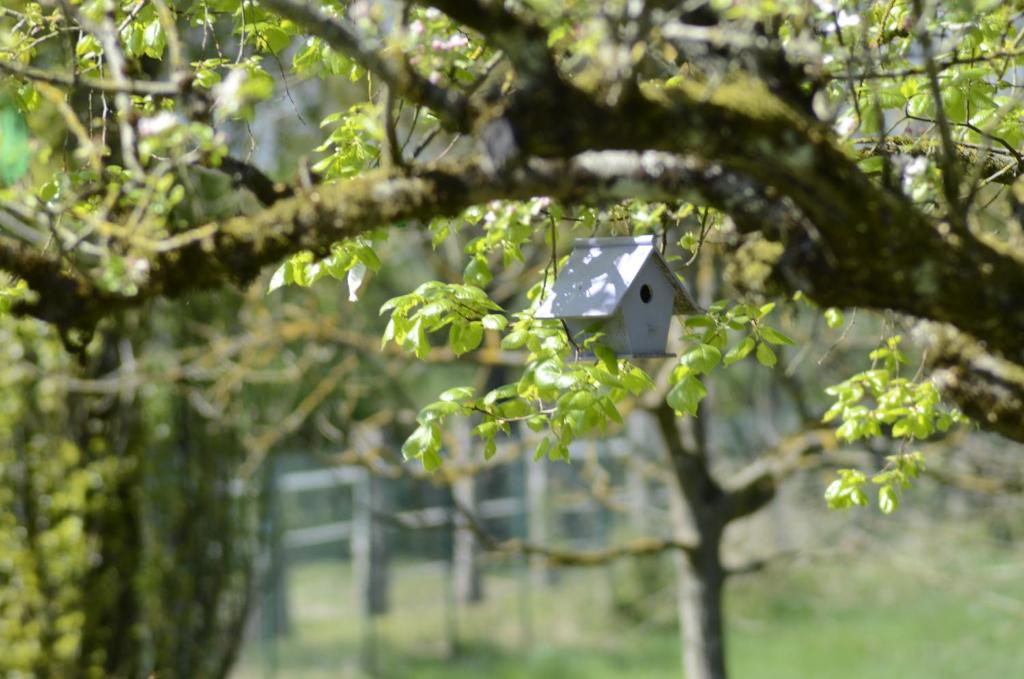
x=950 y=163
x=394 y=150
x=568 y=557
x=123 y=86
x=940 y=66
x=174 y=47
x=524 y=41
x=106 y=32
x=449 y=105
x=990 y=161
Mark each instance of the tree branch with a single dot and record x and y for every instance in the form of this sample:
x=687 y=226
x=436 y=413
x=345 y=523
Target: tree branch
x=125 y=85
x=450 y=106
x=989 y=389
x=236 y=250
x=570 y=557
x=251 y=177
x=990 y=163
x=755 y=485
x=691 y=469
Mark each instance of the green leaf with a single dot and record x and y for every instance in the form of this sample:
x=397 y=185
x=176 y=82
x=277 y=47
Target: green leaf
x=478 y=272
x=465 y=337
x=551 y=378
x=765 y=356
x=833 y=317
x=431 y=460
x=581 y=400
x=153 y=39
x=514 y=409
x=846 y=491
x=514 y=339
x=367 y=256
x=772 y=335
x=494 y=322
x=687 y=395
x=635 y=380
x=486 y=429
x=609 y=409
x=701 y=359
x=740 y=351
x=275 y=38
x=416 y=339
x=542 y=448
x=456 y=394
x=438 y=411
x=277 y=280
x=700 y=321
x=607 y=357
x=424 y=439
x=537 y=422
x=888 y=501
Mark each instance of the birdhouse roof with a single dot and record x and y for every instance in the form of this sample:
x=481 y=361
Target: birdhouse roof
x=598 y=274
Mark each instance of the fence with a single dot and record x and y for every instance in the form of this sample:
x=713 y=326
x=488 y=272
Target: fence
x=542 y=503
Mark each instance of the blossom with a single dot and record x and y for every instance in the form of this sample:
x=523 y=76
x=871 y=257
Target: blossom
x=227 y=94
x=452 y=43
x=158 y=124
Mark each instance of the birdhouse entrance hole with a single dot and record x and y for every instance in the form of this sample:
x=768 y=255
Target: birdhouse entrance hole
x=645 y=293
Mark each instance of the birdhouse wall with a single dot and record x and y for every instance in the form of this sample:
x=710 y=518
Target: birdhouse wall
x=647 y=310
x=615 y=337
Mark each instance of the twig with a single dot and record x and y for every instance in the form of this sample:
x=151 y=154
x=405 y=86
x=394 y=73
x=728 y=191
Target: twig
x=124 y=86
x=950 y=163
x=451 y=107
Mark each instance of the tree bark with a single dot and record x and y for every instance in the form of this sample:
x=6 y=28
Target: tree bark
x=700 y=512
x=700 y=580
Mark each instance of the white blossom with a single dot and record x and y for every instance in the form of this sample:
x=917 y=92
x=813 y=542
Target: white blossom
x=227 y=94
x=158 y=124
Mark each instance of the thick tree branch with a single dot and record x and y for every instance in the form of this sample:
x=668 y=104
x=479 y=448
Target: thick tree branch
x=312 y=220
x=251 y=177
x=691 y=468
x=990 y=390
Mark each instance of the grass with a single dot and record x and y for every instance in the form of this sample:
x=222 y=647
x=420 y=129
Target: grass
x=954 y=613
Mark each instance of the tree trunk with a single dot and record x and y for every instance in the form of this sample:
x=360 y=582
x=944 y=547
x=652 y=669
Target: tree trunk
x=699 y=590
x=699 y=516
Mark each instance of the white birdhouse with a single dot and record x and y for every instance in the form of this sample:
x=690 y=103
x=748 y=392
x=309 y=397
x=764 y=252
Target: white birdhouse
x=621 y=287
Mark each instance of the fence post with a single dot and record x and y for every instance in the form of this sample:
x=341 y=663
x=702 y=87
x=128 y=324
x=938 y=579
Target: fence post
x=638 y=423
x=465 y=567
x=369 y=550
x=537 y=516
x=275 y=613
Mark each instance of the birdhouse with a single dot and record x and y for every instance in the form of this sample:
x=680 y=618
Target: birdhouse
x=620 y=287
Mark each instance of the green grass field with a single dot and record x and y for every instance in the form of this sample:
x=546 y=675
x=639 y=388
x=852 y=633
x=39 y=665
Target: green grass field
x=887 y=612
